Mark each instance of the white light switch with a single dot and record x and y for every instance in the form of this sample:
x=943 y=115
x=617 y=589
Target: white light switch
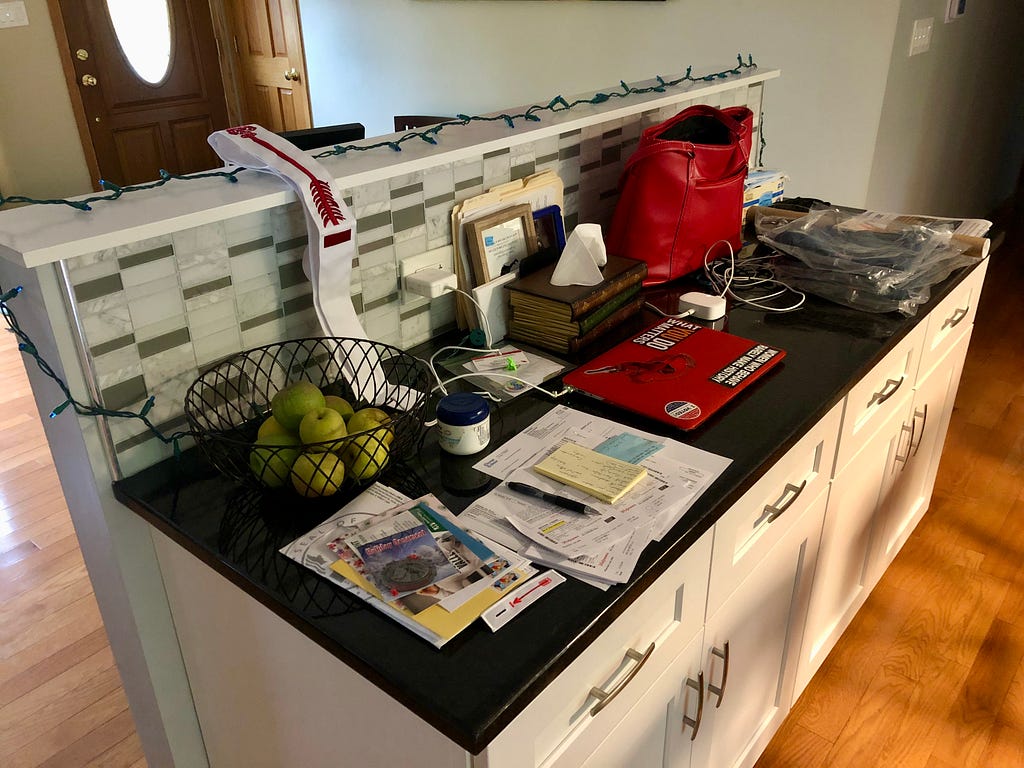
x=13 y=14
x=921 y=38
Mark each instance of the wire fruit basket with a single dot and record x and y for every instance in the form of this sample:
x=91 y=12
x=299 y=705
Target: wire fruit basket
x=248 y=413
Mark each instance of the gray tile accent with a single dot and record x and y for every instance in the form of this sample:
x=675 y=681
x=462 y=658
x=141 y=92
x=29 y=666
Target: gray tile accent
x=611 y=155
x=609 y=193
x=376 y=245
x=298 y=304
x=571 y=220
x=425 y=307
x=374 y=220
x=571 y=190
x=497 y=153
x=570 y=134
x=382 y=302
x=126 y=393
x=167 y=428
x=612 y=133
x=295 y=242
x=567 y=152
x=407 y=218
x=112 y=345
x=291 y=274
x=253 y=322
x=590 y=167
x=441 y=199
x=411 y=189
x=357 y=302
x=252 y=245
x=521 y=171
x=210 y=287
x=476 y=181
x=547 y=158
x=144 y=257
x=164 y=342
x=101 y=286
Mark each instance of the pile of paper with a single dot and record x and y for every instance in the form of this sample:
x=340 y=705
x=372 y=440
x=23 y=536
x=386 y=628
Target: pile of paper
x=598 y=549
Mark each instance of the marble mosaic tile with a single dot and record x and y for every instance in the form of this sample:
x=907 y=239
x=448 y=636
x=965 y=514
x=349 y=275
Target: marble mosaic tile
x=411 y=243
x=264 y=333
x=161 y=301
x=253 y=263
x=213 y=317
x=438 y=182
x=105 y=318
x=216 y=345
x=371 y=198
x=287 y=222
x=116 y=367
x=162 y=328
x=92 y=266
x=248 y=228
x=148 y=271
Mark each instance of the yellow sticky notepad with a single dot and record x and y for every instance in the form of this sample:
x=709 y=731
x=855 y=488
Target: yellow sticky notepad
x=603 y=477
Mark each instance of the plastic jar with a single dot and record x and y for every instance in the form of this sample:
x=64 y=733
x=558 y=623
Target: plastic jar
x=463 y=423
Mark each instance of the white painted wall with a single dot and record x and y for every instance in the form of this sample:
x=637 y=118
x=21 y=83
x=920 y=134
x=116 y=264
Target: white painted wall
x=951 y=140
x=370 y=61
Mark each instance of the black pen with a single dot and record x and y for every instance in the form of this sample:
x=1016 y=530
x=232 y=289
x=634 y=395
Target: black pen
x=553 y=498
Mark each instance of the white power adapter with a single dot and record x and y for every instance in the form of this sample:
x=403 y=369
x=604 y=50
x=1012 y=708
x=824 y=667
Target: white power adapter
x=704 y=306
x=431 y=282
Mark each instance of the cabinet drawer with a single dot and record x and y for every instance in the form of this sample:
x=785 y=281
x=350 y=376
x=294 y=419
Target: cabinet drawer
x=754 y=524
x=561 y=726
x=872 y=399
x=951 y=319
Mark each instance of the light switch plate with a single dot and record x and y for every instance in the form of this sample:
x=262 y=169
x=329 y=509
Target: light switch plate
x=921 y=37
x=956 y=9
x=13 y=14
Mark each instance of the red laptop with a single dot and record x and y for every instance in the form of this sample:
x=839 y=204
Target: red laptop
x=676 y=371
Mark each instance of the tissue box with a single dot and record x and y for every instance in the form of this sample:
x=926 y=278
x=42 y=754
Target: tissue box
x=763 y=187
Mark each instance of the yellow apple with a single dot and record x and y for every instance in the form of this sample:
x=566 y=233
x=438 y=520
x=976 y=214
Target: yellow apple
x=341 y=405
x=293 y=402
x=322 y=425
x=271 y=459
x=366 y=455
x=271 y=426
x=318 y=474
x=368 y=418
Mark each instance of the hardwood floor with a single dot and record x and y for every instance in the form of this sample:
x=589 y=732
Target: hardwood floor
x=61 y=701
x=930 y=673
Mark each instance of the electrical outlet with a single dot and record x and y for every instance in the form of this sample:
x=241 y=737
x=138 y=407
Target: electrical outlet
x=921 y=37
x=13 y=14
x=439 y=258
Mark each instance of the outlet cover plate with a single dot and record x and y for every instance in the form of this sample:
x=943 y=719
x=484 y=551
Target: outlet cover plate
x=13 y=14
x=438 y=258
x=921 y=37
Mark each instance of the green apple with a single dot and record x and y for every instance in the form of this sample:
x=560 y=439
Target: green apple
x=293 y=402
x=271 y=426
x=271 y=459
x=367 y=418
x=322 y=425
x=366 y=455
x=341 y=405
x=318 y=474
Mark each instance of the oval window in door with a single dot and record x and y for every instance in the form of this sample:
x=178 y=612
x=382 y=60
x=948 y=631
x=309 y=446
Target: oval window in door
x=143 y=29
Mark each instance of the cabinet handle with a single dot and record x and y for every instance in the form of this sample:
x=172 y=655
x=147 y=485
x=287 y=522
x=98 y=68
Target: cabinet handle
x=719 y=691
x=605 y=697
x=924 y=421
x=891 y=385
x=911 y=429
x=694 y=722
x=954 y=320
x=772 y=512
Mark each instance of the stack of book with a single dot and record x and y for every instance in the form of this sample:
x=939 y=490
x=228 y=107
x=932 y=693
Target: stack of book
x=567 y=318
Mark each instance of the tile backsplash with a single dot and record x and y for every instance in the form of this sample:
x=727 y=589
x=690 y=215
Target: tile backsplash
x=157 y=312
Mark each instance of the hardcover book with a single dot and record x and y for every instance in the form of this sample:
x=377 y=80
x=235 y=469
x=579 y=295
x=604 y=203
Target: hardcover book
x=535 y=292
x=676 y=371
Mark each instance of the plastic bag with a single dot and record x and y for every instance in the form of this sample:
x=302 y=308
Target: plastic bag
x=842 y=256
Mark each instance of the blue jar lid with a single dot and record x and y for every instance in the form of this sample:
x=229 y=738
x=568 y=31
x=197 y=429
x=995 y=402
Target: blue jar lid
x=462 y=409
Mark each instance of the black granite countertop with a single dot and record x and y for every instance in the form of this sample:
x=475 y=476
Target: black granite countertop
x=460 y=689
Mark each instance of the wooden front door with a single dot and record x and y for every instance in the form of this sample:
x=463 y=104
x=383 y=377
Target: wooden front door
x=271 y=63
x=138 y=127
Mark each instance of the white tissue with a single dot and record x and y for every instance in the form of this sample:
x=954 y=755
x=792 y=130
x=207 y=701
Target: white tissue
x=582 y=258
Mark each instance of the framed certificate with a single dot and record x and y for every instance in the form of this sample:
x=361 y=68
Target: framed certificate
x=499 y=241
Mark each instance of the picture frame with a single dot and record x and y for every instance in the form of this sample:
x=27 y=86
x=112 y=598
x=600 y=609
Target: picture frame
x=499 y=241
x=550 y=228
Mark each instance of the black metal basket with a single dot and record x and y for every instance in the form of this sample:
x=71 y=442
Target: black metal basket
x=227 y=405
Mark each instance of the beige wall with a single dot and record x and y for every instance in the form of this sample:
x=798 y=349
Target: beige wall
x=40 y=150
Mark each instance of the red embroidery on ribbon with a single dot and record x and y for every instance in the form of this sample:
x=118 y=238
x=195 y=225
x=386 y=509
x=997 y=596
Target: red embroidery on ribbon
x=337 y=237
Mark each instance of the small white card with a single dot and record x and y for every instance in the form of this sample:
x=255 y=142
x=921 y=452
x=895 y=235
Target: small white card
x=512 y=604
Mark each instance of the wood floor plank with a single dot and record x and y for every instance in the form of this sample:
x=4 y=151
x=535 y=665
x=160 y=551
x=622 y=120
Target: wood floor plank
x=1006 y=747
x=55 y=574
x=17 y=553
x=85 y=620
x=31 y=678
x=126 y=752
x=1011 y=713
x=76 y=614
x=802 y=748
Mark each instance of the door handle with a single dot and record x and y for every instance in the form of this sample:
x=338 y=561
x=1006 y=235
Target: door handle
x=924 y=422
x=891 y=385
x=694 y=722
x=719 y=690
x=605 y=697
x=954 y=320
x=910 y=443
x=89 y=81
x=292 y=74
x=771 y=512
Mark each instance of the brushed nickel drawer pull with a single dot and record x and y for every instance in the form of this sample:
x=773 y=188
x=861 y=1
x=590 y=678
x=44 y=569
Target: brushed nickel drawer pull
x=891 y=385
x=719 y=690
x=694 y=722
x=605 y=697
x=924 y=421
x=772 y=512
x=911 y=429
x=954 y=320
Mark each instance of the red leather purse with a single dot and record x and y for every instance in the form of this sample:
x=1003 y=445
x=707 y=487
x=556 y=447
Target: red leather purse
x=682 y=191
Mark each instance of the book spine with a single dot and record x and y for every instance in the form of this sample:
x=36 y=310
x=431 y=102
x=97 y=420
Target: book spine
x=632 y=276
x=620 y=316
x=591 y=320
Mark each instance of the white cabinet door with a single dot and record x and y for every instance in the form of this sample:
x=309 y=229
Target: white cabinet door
x=657 y=732
x=750 y=649
x=843 y=578
x=913 y=475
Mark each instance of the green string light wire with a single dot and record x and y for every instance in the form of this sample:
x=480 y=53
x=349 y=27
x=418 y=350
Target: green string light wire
x=26 y=346
x=557 y=104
